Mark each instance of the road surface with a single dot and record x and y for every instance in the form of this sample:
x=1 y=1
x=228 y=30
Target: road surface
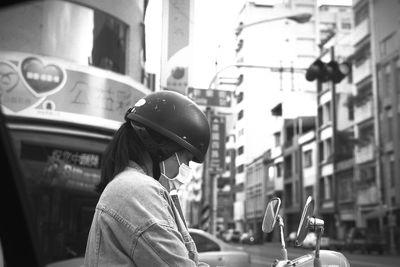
x=264 y=255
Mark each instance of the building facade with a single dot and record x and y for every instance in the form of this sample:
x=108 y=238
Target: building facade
x=292 y=48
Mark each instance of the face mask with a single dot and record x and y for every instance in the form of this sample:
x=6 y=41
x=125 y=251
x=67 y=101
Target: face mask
x=183 y=176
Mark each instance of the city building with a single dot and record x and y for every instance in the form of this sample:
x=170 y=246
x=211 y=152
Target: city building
x=376 y=109
x=255 y=203
x=274 y=66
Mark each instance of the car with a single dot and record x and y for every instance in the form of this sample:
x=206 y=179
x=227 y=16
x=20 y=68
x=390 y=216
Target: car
x=248 y=238
x=291 y=239
x=212 y=251
x=236 y=236
x=365 y=241
x=216 y=252
x=231 y=235
x=311 y=241
x=227 y=235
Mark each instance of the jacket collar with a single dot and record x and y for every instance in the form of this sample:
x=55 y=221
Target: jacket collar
x=134 y=165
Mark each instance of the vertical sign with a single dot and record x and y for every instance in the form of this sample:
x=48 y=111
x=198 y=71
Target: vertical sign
x=217 y=153
x=176 y=35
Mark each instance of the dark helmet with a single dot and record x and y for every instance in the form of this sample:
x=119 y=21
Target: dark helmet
x=174 y=116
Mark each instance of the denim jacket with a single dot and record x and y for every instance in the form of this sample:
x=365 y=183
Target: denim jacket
x=137 y=224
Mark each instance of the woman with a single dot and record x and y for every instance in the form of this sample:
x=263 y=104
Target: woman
x=137 y=222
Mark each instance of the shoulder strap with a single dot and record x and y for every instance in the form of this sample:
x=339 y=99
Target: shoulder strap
x=177 y=204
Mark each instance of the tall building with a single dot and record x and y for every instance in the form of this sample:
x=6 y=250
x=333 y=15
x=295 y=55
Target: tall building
x=276 y=53
x=308 y=161
x=376 y=106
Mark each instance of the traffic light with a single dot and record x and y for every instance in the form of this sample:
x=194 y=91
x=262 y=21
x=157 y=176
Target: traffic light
x=323 y=72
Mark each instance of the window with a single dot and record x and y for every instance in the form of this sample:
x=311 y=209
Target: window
x=277 y=137
x=240 y=97
x=307 y=158
x=367 y=173
x=240 y=169
x=389 y=124
x=240 y=114
x=67 y=167
x=239 y=45
x=69 y=31
x=328 y=187
x=204 y=244
x=320 y=116
x=288 y=165
x=345 y=184
x=387 y=80
x=346 y=25
x=366 y=135
x=288 y=200
x=327 y=113
x=279 y=169
x=350 y=112
x=271 y=173
x=321 y=151
x=329 y=149
x=241 y=150
x=362 y=56
x=361 y=14
x=387 y=45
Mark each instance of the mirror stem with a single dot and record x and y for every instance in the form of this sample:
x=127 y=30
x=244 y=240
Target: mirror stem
x=317 y=260
x=283 y=250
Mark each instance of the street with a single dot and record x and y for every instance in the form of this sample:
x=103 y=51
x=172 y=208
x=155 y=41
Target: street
x=263 y=255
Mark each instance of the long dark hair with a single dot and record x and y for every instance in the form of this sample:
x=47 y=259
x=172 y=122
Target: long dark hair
x=125 y=145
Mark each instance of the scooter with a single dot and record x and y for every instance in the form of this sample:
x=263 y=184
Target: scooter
x=308 y=222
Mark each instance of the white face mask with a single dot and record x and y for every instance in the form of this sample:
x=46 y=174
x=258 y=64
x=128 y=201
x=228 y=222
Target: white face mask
x=184 y=175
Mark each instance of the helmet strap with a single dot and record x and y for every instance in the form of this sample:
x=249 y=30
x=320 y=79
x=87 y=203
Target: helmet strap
x=158 y=151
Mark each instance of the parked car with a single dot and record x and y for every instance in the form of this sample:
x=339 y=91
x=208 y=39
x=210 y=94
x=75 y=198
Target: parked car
x=236 y=236
x=248 y=238
x=311 y=241
x=231 y=235
x=216 y=252
x=227 y=235
x=211 y=250
x=291 y=239
x=365 y=241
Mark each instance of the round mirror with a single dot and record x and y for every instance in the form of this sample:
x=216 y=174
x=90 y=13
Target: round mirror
x=270 y=215
x=303 y=225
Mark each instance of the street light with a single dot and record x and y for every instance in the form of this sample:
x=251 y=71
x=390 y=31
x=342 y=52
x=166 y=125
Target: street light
x=299 y=18
x=245 y=66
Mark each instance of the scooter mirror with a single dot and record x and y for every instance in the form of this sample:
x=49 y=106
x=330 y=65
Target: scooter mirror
x=270 y=215
x=302 y=231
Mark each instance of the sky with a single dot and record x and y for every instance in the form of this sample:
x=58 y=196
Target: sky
x=213 y=25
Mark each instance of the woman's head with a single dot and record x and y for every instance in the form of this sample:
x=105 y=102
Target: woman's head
x=158 y=126
x=174 y=117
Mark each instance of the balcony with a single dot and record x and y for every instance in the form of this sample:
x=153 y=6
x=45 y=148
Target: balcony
x=364 y=111
x=364 y=153
x=362 y=71
x=368 y=195
x=360 y=32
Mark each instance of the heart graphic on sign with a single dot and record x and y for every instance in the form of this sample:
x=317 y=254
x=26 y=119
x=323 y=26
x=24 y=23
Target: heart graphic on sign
x=41 y=79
